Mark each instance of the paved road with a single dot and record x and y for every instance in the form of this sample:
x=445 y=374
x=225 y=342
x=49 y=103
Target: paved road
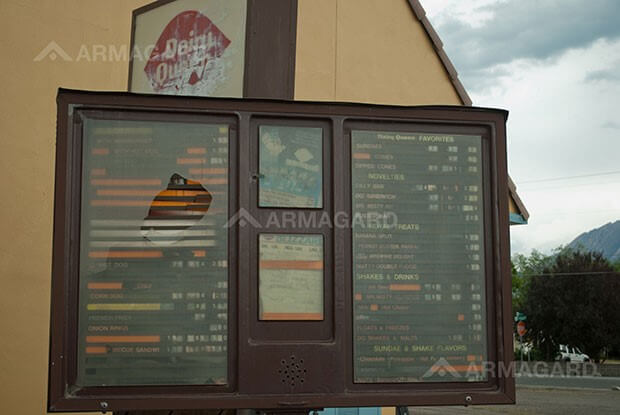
x=542 y=400
x=590 y=382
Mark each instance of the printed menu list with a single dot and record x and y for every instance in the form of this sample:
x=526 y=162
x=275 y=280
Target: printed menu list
x=290 y=277
x=153 y=262
x=418 y=257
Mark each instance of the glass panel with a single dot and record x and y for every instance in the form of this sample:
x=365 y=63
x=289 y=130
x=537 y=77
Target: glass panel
x=291 y=167
x=418 y=258
x=153 y=259
x=290 y=277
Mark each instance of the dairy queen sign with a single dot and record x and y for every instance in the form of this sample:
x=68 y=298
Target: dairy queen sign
x=197 y=47
x=187 y=55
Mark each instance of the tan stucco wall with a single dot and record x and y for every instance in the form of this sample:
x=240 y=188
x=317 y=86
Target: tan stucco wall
x=373 y=51
x=28 y=122
x=349 y=50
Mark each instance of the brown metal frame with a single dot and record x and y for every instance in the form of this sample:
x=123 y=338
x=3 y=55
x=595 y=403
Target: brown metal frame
x=329 y=358
x=270 y=47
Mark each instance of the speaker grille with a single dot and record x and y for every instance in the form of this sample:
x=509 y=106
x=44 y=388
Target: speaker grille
x=292 y=372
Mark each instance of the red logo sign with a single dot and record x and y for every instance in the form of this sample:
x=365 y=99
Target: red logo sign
x=521 y=330
x=187 y=56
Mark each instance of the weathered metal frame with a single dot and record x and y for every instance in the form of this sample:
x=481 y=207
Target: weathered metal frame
x=249 y=390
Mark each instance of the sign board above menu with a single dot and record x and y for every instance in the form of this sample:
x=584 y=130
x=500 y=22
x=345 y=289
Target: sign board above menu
x=189 y=47
x=261 y=254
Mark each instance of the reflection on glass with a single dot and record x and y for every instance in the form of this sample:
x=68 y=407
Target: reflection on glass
x=291 y=167
x=153 y=255
x=418 y=258
x=290 y=277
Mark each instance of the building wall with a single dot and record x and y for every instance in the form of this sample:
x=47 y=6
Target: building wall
x=367 y=51
x=348 y=50
x=28 y=121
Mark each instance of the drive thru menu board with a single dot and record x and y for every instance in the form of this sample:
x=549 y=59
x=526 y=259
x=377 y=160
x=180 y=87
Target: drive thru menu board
x=175 y=286
x=153 y=261
x=418 y=257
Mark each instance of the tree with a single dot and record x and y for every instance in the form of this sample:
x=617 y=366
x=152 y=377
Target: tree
x=523 y=267
x=572 y=300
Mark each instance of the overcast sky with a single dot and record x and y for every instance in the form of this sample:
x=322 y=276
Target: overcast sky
x=555 y=65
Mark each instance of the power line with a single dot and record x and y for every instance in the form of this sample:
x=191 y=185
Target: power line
x=570 y=177
x=536 y=186
x=568 y=273
x=556 y=213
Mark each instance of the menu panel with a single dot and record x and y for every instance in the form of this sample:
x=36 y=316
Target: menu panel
x=291 y=167
x=153 y=262
x=418 y=257
x=290 y=277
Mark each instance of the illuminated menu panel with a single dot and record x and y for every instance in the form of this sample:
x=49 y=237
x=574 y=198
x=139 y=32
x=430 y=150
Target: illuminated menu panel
x=290 y=277
x=153 y=261
x=291 y=167
x=418 y=257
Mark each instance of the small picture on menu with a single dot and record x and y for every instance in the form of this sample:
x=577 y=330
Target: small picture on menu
x=291 y=167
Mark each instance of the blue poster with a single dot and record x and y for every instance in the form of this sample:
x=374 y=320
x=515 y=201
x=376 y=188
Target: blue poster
x=291 y=167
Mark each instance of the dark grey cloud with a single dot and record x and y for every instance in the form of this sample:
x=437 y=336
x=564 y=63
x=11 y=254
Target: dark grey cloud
x=603 y=75
x=527 y=29
x=611 y=125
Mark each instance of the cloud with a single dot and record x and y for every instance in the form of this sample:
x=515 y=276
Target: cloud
x=560 y=126
x=603 y=75
x=554 y=65
x=472 y=12
x=525 y=30
x=611 y=125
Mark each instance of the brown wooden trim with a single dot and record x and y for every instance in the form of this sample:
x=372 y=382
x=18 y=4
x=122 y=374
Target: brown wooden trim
x=512 y=189
x=271 y=39
x=420 y=14
x=60 y=245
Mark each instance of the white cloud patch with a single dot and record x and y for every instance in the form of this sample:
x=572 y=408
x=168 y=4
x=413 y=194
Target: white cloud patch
x=559 y=127
x=474 y=13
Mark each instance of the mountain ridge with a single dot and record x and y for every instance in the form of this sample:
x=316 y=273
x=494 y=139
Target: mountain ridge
x=604 y=239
